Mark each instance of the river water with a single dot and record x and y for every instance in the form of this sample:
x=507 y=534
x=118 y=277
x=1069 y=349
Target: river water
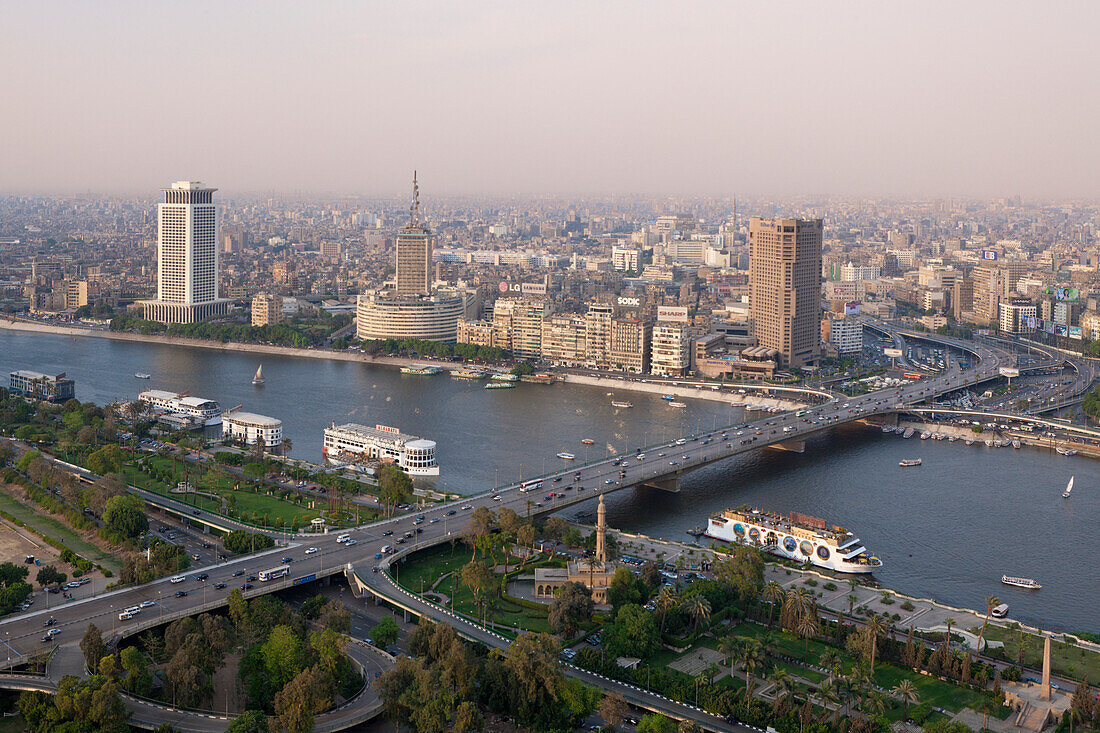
x=945 y=530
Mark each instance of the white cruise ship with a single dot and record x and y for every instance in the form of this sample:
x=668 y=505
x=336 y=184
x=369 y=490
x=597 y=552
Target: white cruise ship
x=209 y=412
x=353 y=443
x=796 y=537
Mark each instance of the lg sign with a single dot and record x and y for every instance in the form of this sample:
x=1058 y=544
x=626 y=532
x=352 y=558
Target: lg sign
x=525 y=288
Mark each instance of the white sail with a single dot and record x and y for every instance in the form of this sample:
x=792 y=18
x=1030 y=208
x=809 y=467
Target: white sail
x=259 y=378
x=1069 y=488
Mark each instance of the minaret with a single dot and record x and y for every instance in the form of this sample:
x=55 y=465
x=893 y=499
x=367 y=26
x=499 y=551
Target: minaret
x=414 y=208
x=601 y=533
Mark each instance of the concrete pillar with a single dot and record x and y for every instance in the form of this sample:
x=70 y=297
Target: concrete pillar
x=1044 y=692
x=405 y=613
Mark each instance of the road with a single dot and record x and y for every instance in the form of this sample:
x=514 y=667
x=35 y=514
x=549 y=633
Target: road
x=310 y=557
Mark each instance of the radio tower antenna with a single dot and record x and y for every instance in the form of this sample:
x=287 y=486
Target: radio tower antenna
x=414 y=209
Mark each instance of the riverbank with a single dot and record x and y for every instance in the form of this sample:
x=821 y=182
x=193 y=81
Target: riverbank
x=610 y=383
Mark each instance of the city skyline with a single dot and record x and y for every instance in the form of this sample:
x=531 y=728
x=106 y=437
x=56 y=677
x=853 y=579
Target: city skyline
x=848 y=99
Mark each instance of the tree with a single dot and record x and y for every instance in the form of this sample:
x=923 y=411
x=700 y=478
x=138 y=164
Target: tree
x=572 y=607
x=93 y=647
x=126 y=515
x=479 y=525
x=467 y=718
x=250 y=721
x=555 y=528
x=808 y=627
x=302 y=698
x=656 y=723
x=385 y=632
x=136 y=666
x=533 y=661
x=698 y=608
x=906 y=691
x=478 y=578
x=107 y=459
x=633 y=633
x=874 y=628
x=991 y=602
x=282 y=655
x=667 y=600
x=774 y=594
x=335 y=616
x=613 y=710
x=742 y=573
x=394 y=487
x=10 y=574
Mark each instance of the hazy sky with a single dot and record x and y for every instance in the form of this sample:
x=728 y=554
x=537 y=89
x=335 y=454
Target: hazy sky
x=766 y=97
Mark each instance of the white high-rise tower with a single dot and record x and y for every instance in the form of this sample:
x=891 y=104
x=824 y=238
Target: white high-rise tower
x=187 y=256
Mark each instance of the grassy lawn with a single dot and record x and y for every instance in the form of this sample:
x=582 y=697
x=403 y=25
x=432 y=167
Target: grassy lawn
x=425 y=568
x=49 y=526
x=278 y=511
x=1067 y=660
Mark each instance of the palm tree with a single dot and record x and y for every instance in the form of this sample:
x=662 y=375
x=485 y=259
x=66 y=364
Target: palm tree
x=907 y=693
x=829 y=694
x=874 y=628
x=666 y=601
x=851 y=604
x=287 y=445
x=730 y=647
x=949 y=622
x=781 y=686
x=832 y=661
x=876 y=702
x=698 y=608
x=752 y=658
x=861 y=681
x=991 y=602
x=774 y=594
x=808 y=627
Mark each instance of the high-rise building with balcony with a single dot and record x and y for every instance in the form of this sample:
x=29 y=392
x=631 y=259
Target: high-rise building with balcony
x=187 y=256
x=785 y=287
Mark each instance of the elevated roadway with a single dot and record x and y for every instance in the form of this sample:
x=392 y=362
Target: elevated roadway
x=311 y=557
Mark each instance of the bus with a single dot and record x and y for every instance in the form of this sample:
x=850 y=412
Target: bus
x=912 y=375
x=530 y=486
x=274 y=573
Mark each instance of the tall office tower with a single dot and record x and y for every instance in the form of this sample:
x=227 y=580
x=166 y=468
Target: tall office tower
x=414 y=253
x=187 y=256
x=785 y=286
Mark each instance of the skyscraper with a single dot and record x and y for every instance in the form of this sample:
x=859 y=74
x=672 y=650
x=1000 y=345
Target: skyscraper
x=187 y=256
x=414 y=253
x=785 y=287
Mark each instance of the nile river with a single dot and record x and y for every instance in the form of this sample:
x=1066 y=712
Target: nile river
x=946 y=530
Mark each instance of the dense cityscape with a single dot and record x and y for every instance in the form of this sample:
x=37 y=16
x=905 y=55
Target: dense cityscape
x=326 y=406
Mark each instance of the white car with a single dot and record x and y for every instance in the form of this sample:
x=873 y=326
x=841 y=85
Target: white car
x=311 y=550
x=177 y=579
x=147 y=604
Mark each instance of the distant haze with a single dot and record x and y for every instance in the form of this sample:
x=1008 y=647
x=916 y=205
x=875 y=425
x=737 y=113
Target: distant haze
x=714 y=98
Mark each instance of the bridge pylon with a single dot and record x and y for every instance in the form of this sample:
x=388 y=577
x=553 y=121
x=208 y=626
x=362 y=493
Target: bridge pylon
x=794 y=446
x=670 y=484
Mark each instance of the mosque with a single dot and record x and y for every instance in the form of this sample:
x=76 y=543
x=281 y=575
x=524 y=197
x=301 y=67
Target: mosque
x=594 y=572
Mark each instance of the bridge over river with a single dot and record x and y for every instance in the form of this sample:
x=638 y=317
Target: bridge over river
x=315 y=556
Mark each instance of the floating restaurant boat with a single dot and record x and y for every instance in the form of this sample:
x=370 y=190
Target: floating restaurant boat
x=469 y=374
x=504 y=377
x=538 y=378
x=500 y=385
x=1020 y=582
x=423 y=370
x=796 y=537
x=909 y=462
x=361 y=444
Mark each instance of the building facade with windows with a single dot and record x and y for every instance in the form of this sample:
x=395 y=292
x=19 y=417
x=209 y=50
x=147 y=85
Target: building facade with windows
x=671 y=350
x=249 y=428
x=38 y=386
x=187 y=256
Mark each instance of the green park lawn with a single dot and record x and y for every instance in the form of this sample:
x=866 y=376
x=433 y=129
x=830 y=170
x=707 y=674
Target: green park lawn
x=55 y=529
x=1065 y=659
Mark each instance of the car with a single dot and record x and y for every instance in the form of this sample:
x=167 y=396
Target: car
x=557 y=479
x=400 y=540
x=219 y=586
x=247 y=586
x=378 y=556
x=451 y=513
x=147 y=604
x=202 y=576
x=608 y=481
x=467 y=506
x=47 y=638
x=196 y=512
x=238 y=573
x=176 y=579
x=181 y=593
x=311 y=550
x=387 y=533
x=419 y=530
x=496 y=497
x=50 y=621
x=376 y=569
x=251 y=578
x=288 y=560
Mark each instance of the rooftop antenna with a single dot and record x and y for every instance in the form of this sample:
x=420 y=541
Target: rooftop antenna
x=414 y=210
